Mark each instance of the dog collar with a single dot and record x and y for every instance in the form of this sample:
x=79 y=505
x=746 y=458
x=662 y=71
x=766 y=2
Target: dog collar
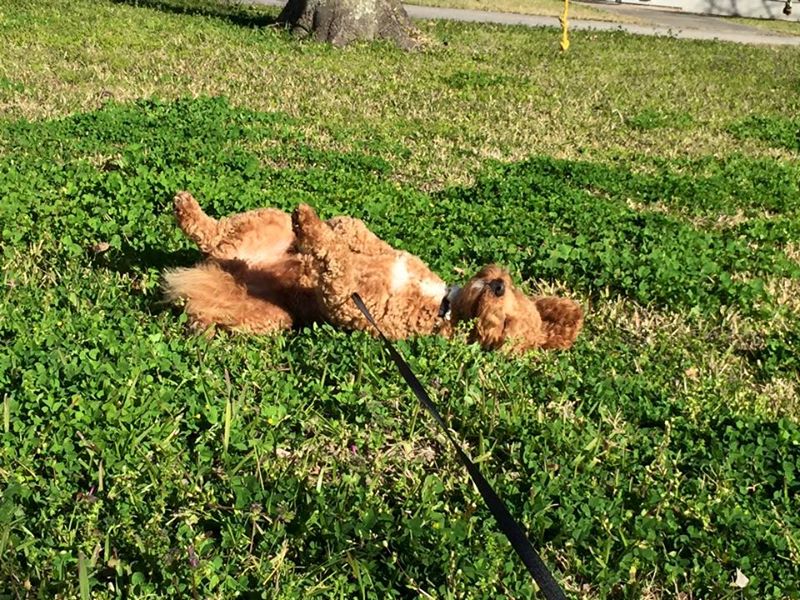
x=449 y=298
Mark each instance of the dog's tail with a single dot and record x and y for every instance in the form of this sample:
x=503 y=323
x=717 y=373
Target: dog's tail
x=212 y=295
x=562 y=320
x=196 y=224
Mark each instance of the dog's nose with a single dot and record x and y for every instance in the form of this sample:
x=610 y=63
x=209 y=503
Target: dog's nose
x=498 y=287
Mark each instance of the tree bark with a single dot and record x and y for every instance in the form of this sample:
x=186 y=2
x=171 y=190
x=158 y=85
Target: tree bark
x=343 y=21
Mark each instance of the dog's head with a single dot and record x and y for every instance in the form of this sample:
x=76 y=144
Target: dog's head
x=502 y=314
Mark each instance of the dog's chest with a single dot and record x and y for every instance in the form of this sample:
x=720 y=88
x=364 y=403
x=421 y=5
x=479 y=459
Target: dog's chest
x=411 y=275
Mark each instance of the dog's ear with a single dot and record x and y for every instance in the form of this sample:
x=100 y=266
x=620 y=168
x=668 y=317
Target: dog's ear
x=562 y=320
x=489 y=324
x=484 y=300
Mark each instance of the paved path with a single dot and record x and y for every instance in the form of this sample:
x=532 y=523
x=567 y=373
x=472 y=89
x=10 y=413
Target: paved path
x=665 y=23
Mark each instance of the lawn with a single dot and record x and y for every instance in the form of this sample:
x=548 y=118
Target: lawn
x=653 y=180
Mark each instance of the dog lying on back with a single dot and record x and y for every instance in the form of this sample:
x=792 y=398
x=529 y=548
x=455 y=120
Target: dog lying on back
x=266 y=270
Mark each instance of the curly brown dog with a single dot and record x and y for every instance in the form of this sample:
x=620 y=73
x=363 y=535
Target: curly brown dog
x=267 y=271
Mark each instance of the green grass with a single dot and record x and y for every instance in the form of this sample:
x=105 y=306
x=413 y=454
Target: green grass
x=777 y=130
x=138 y=460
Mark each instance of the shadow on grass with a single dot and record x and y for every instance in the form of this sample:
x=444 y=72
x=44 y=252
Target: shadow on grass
x=232 y=12
x=129 y=260
x=135 y=262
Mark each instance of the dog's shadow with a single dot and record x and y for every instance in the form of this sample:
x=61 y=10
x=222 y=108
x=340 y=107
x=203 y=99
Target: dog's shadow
x=140 y=265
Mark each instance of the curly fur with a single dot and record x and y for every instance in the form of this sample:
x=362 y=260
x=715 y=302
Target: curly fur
x=267 y=271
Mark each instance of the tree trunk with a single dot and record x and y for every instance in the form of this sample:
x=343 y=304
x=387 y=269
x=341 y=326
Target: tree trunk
x=343 y=21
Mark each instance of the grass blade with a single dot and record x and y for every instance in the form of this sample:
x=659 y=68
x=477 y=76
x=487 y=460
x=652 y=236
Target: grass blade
x=226 y=436
x=83 y=577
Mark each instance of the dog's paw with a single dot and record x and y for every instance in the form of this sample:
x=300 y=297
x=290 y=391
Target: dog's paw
x=303 y=216
x=184 y=205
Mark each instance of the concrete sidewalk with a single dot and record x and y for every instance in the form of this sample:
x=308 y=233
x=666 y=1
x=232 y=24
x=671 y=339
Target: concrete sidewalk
x=665 y=23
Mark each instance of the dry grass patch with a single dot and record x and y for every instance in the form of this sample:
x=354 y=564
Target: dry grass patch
x=786 y=292
x=792 y=250
x=779 y=396
x=490 y=93
x=774 y=25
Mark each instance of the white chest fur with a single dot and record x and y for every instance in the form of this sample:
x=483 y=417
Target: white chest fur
x=400 y=274
x=402 y=277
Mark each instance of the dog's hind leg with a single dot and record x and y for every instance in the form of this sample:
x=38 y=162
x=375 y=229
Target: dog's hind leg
x=259 y=238
x=196 y=224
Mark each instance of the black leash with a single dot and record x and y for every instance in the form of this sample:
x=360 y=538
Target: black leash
x=506 y=522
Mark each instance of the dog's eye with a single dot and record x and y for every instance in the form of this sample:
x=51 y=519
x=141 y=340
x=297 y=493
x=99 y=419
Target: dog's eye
x=498 y=287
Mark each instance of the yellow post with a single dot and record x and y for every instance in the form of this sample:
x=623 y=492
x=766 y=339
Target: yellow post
x=564 y=24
